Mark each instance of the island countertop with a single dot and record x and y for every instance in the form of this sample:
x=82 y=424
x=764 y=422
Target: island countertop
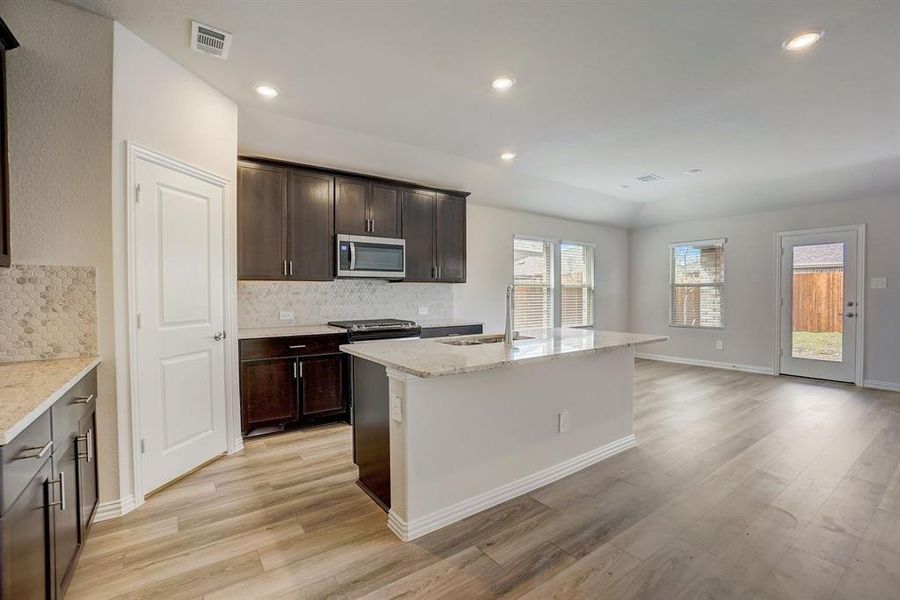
x=28 y=389
x=433 y=358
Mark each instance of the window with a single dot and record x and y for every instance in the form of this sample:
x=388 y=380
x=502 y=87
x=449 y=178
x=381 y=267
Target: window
x=533 y=283
x=576 y=285
x=697 y=277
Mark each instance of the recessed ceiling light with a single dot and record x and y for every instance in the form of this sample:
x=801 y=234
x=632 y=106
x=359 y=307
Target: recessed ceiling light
x=693 y=171
x=508 y=156
x=266 y=90
x=622 y=187
x=503 y=83
x=802 y=41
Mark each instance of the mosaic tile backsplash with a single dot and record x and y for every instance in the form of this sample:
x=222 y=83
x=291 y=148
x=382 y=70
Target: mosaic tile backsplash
x=47 y=312
x=315 y=303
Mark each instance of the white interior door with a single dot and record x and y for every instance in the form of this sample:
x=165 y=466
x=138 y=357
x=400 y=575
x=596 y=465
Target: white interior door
x=819 y=307
x=180 y=364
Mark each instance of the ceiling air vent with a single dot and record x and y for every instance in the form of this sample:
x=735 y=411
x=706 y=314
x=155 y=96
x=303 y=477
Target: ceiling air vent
x=210 y=40
x=649 y=177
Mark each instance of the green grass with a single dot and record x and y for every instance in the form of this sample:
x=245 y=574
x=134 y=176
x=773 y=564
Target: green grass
x=817 y=346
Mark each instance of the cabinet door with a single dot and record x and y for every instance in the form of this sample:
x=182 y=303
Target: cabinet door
x=27 y=542
x=67 y=515
x=262 y=221
x=87 y=469
x=268 y=392
x=418 y=231
x=384 y=211
x=4 y=169
x=351 y=197
x=310 y=226
x=451 y=238
x=322 y=385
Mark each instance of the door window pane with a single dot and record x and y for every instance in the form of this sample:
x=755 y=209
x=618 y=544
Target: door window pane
x=817 y=302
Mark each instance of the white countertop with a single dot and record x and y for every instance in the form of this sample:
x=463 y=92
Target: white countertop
x=28 y=389
x=287 y=331
x=434 y=323
x=431 y=358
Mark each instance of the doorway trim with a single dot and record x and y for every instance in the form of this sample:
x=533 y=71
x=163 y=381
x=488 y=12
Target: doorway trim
x=860 y=230
x=234 y=442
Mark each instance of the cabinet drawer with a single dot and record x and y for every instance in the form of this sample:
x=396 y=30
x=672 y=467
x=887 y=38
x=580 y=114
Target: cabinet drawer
x=68 y=410
x=21 y=459
x=291 y=346
x=435 y=332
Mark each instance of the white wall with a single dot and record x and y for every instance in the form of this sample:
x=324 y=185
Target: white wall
x=60 y=104
x=159 y=105
x=750 y=283
x=489 y=266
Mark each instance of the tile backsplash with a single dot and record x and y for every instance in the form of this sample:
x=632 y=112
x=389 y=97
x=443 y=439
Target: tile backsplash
x=47 y=312
x=314 y=303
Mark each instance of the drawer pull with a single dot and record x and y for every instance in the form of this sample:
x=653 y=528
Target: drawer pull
x=61 y=503
x=36 y=452
x=88 y=440
x=297 y=347
x=83 y=399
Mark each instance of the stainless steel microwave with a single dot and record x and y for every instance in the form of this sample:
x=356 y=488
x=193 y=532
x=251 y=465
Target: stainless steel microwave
x=373 y=257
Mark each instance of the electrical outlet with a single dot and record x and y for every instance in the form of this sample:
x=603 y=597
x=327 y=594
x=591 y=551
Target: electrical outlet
x=564 y=421
x=423 y=310
x=720 y=345
x=286 y=315
x=397 y=408
x=879 y=283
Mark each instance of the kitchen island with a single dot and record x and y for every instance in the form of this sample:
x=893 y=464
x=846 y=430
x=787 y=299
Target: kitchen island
x=445 y=428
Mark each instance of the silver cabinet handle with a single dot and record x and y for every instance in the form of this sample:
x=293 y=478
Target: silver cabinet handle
x=83 y=399
x=36 y=452
x=61 y=503
x=298 y=346
x=291 y=268
x=284 y=267
x=295 y=369
x=373 y=225
x=88 y=440
x=301 y=368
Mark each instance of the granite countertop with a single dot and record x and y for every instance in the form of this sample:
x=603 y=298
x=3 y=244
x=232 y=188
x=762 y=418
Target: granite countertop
x=287 y=331
x=431 y=358
x=434 y=323
x=28 y=389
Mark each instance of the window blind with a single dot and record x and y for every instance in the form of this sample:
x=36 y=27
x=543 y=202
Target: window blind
x=697 y=277
x=533 y=283
x=576 y=285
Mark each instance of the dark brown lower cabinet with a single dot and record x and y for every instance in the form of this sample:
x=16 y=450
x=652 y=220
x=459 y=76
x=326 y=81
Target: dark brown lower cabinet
x=45 y=519
x=27 y=539
x=293 y=381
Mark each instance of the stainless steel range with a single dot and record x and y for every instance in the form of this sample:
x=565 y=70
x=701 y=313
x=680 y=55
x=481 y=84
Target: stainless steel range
x=378 y=329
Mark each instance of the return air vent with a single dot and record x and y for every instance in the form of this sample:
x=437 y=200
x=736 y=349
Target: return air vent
x=649 y=177
x=210 y=40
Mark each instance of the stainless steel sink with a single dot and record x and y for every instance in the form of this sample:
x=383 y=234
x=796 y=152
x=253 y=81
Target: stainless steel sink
x=482 y=339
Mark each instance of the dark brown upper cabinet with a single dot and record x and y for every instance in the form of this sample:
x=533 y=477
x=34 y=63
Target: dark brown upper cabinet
x=310 y=226
x=262 y=222
x=434 y=226
x=418 y=231
x=364 y=207
x=7 y=42
x=285 y=223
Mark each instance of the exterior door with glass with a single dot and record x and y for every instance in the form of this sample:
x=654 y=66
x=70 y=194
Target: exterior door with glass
x=819 y=308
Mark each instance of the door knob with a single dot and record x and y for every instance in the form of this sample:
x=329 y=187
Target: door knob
x=219 y=336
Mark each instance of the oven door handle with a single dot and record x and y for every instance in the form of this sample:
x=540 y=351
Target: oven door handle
x=352 y=256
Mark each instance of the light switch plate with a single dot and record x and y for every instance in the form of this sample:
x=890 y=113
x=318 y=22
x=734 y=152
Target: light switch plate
x=564 y=421
x=423 y=310
x=879 y=283
x=397 y=408
x=720 y=345
x=286 y=315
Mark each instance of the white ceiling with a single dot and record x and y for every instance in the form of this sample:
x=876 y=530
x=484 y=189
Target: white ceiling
x=606 y=92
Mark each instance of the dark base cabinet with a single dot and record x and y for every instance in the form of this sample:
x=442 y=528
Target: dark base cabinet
x=371 y=430
x=49 y=496
x=293 y=382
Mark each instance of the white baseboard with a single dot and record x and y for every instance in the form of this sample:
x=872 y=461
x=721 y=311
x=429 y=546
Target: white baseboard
x=707 y=363
x=114 y=508
x=413 y=529
x=882 y=385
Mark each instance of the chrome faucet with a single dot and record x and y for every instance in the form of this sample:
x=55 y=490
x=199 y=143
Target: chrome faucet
x=509 y=335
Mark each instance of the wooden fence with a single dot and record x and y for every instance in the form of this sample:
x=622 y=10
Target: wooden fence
x=818 y=300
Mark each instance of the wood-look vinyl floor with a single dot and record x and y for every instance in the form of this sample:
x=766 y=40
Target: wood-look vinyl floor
x=742 y=486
